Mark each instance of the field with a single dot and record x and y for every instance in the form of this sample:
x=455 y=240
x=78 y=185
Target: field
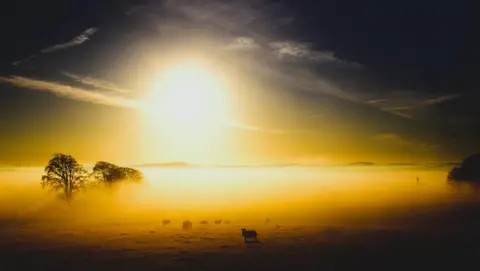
x=412 y=229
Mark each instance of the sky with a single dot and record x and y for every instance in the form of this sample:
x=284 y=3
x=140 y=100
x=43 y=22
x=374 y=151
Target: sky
x=301 y=81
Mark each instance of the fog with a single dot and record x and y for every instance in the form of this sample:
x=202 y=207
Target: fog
x=285 y=195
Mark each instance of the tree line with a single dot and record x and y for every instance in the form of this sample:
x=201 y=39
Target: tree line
x=64 y=173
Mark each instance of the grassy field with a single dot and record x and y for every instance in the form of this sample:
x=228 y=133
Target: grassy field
x=123 y=231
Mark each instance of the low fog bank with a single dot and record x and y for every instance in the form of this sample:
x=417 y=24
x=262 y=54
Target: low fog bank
x=357 y=196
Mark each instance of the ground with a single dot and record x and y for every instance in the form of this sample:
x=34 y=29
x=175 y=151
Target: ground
x=151 y=246
x=318 y=220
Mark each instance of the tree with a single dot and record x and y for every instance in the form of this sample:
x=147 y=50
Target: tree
x=133 y=174
x=468 y=171
x=63 y=172
x=111 y=174
x=104 y=172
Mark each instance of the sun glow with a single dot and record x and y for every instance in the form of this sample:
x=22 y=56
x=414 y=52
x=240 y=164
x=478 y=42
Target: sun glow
x=188 y=95
x=188 y=107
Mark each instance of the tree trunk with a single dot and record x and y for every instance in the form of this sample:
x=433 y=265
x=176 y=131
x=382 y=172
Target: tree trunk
x=68 y=191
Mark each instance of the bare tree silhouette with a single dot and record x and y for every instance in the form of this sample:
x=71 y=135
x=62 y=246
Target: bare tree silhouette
x=63 y=172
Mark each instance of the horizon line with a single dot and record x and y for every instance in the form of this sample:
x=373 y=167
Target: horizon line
x=183 y=164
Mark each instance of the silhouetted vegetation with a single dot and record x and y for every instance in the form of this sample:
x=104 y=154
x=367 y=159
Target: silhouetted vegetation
x=63 y=172
x=111 y=175
x=468 y=171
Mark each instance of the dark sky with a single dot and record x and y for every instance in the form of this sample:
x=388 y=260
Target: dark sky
x=427 y=42
x=416 y=61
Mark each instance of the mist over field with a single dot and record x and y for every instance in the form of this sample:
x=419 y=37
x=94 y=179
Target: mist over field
x=312 y=195
x=305 y=216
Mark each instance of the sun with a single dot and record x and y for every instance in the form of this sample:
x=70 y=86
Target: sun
x=187 y=109
x=188 y=94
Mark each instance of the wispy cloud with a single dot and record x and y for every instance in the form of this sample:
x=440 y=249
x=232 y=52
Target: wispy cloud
x=97 y=83
x=83 y=37
x=441 y=99
x=69 y=92
x=376 y=101
x=242 y=43
x=394 y=139
x=269 y=56
x=21 y=61
x=295 y=50
x=404 y=103
x=397 y=113
x=84 y=95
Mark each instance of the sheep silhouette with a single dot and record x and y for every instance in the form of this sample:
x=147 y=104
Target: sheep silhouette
x=218 y=221
x=166 y=222
x=186 y=225
x=250 y=236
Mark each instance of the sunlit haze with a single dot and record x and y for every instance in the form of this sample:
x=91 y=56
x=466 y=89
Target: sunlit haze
x=189 y=109
x=239 y=135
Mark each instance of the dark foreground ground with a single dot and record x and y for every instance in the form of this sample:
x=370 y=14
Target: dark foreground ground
x=438 y=241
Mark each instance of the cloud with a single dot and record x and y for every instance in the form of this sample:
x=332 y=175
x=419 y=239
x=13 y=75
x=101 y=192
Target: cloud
x=441 y=99
x=282 y=59
x=83 y=37
x=242 y=43
x=376 y=101
x=295 y=50
x=405 y=103
x=79 y=94
x=97 y=83
x=397 y=140
x=21 y=61
x=239 y=14
x=268 y=56
x=397 y=113
x=69 y=92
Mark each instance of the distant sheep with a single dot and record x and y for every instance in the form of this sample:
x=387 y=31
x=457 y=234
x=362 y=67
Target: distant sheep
x=204 y=222
x=249 y=235
x=218 y=221
x=166 y=222
x=186 y=225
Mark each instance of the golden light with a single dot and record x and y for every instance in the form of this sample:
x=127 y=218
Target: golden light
x=187 y=108
x=188 y=95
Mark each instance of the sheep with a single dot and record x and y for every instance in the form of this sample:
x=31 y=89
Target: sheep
x=249 y=234
x=187 y=225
